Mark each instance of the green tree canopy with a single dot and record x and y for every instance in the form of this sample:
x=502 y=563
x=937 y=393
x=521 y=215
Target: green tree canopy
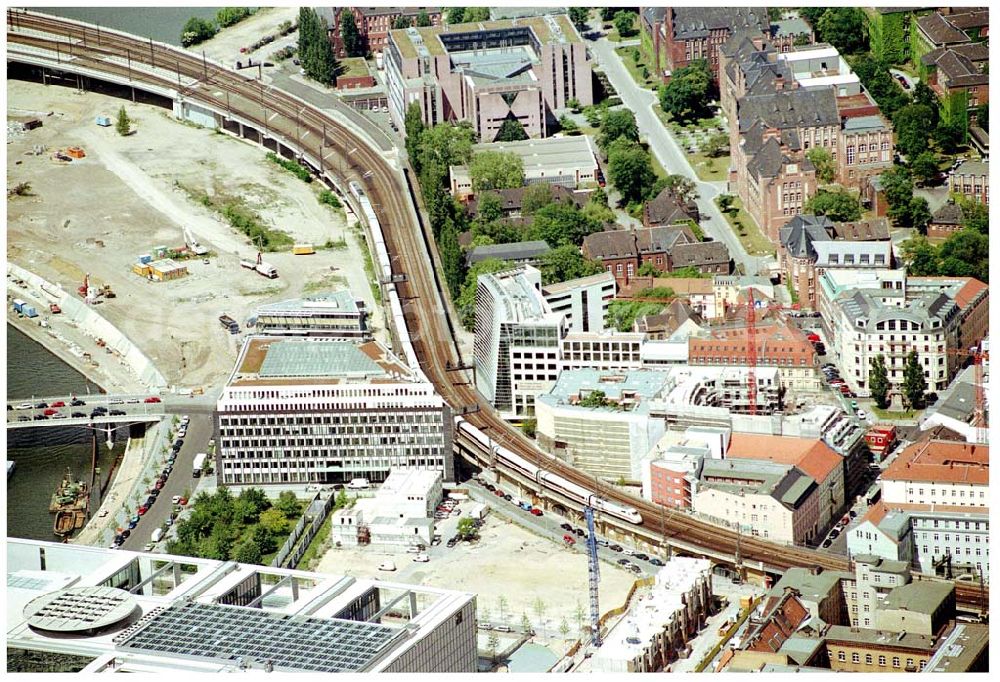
x=965 y=253
x=288 y=504
x=535 y=196
x=197 y=30
x=452 y=260
x=228 y=16
x=975 y=215
x=919 y=213
x=447 y=145
x=826 y=168
x=479 y=13
x=624 y=22
x=455 y=15
x=682 y=186
x=565 y=263
x=913 y=127
x=466 y=301
x=595 y=398
x=839 y=205
x=686 y=97
x=423 y=18
x=630 y=170
x=496 y=170
x=349 y=35
x=914 y=382
x=562 y=223
x=925 y=167
x=413 y=125
x=878 y=381
x=617 y=123
x=466 y=528
x=124 y=124
x=402 y=21
x=274 y=521
x=511 y=130
x=843 y=27
x=247 y=552
x=579 y=16
x=649 y=269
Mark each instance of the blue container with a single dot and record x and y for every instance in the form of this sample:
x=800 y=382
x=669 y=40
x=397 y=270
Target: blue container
x=29 y=311
x=145 y=258
x=103 y=121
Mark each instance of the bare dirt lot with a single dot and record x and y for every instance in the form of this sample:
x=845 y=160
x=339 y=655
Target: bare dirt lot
x=138 y=192
x=507 y=562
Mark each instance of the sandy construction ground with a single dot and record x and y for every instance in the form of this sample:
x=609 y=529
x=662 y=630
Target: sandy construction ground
x=507 y=562
x=134 y=193
x=225 y=46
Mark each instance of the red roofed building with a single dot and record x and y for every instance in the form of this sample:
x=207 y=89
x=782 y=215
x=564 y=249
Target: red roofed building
x=937 y=472
x=783 y=616
x=813 y=457
x=880 y=439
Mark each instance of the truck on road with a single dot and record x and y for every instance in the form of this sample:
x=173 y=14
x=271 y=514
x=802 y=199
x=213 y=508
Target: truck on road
x=199 y=464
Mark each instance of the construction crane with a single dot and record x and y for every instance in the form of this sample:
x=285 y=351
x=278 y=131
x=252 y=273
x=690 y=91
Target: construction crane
x=979 y=421
x=751 y=354
x=86 y=285
x=595 y=577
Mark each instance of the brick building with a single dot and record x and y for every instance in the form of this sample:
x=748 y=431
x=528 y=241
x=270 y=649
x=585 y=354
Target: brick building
x=691 y=33
x=374 y=24
x=972 y=180
x=624 y=251
x=666 y=208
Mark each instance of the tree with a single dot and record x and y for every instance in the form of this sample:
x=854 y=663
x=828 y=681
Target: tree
x=349 y=35
x=479 y=13
x=423 y=19
x=579 y=16
x=982 y=115
x=562 y=223
x=949 y=135
x=580 y=615
x=492 y=642
x=402 y=21
x=466 y=528
x=263 y=539
x=597 y=208
x=257 y=498
x=878 y=381
x=244 y=512
x=594 y=399
x=623 y=313
x=649 y=269
x=466 y=302
x=682 y=187
x=812 y=14
x=920 y=257
x=568 y=125
x=566 y=262
x=273 y=521
x=525 y=623
x=315 y=50
x=624 y=22
x=455 y=15
x=630 y=169
x=451 y=257
x=912 y=126
x=539 y=607
x=528 y=427
x=502 y=605
x=288 y=504
x=563 y=627
x=825 y=167
x=965 y=254
x=925 y=167
x=924 y=96
x=341 y=500
x=608 y=13
x=535 y=197
x=615 y=124
x=511 y=130
x=413 y=125
x=688 y=93
x=247 y=552
x=898 y=189
x=496 y=170
x=726 y=202
x=447 y=145
x=124 y=123
x=574 y=104
x=197 y=30
x=228 y=16
x=716 y=144
x=839 y=205
x=843 y=27
x=975 y=215
x=914 y=383
x=919 y=214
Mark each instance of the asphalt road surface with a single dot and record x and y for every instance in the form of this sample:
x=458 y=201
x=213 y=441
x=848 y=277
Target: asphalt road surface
x=180 y=479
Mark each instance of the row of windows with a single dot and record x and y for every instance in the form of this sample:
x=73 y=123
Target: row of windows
x=957 y=552
x=863 y=259
x=856 y=658
x=938 y=523
x=944 y=493
x=741 y=359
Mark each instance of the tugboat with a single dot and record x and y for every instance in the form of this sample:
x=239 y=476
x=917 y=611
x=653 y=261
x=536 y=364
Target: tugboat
x=69 y=504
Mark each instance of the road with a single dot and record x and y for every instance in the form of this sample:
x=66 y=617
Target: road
x=179 y=482
x=670 y=155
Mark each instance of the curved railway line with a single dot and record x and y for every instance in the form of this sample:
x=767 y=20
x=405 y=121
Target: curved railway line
x=314 y=132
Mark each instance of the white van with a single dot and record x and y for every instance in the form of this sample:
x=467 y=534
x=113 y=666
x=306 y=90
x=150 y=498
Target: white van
x=387 y=566
x=358 y=484
x=157 y=535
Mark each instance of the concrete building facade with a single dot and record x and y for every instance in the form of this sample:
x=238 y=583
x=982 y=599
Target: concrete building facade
x=583 y=301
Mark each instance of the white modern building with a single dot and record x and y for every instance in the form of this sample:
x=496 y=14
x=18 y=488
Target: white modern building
x=516 y=351
x=320 y=411
x=609 y=350
x=584 y=301
x=659 y=625
x=866 y=314
x=609 y=439
x=118 y=611
x=336 y=314
x=410 y=492
x=821 y=67
x=884 y=533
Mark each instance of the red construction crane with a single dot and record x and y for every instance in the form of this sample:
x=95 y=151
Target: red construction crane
x=979 y=408
x=751 y=353
x=86 y=285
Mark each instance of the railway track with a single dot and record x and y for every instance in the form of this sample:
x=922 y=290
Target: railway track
x=315 y=133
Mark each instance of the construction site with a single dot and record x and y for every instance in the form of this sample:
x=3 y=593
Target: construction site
x=140 y=225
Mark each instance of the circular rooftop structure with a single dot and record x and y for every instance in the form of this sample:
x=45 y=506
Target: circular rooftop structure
x=80 y=610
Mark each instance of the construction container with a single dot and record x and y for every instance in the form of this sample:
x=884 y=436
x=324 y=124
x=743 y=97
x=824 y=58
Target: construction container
x=76 y=152
x=159 y=251
x=18 y=305
x=303 y=250
x=145 y=258
x=29 y=311
x=141 y=269
x=103 y=121
x=745 y=603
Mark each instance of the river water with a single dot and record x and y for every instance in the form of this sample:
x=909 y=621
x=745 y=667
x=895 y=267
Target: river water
x=162 y=24
x=42 y=455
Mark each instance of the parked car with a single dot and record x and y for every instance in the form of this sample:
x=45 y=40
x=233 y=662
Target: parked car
x=629 y=551
x=485 y=626
x=569 y=539
x=642 y=557
x=421 y=558
x=656 y=562
x=504 y=628
x=58 y=403
x=120 y=413
x=615 y=548
x=387 y=566
x=152 y=399
x=566 y=526
x=862 y=414
x=76 y=402
x=624 y=562
x=452 y=542
x=536 y=512
x=79 y=415
x=635 y=569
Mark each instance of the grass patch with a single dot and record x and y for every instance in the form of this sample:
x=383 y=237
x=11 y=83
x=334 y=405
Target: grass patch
x=324 y=283
x=373 y=280
x=334 y=244
x=710 y=169
x=749 y=234
x=241 y=217
x=894 y=414
x=296 y=169
x=352 y=67
x=329 y=198
x=644 y=79
x=317 y=545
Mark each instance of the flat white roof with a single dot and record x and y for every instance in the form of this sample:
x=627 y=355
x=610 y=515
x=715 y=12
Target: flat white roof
x=799 y=55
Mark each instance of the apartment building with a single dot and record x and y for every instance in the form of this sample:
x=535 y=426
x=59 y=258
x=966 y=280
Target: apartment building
x=516 y=351
x=972 y=298
x=677 y=322
x=884 y=533
x=321 y=411
x=810 y=244
x=972 y=180
x=583 y=301
x=121 y=611
x=623 y=252
x=610 y=438
x=569 y=162
x=871 y=313
x=374 y=24
x=779 y=345
x=489 y=72
x=875 y=579
x=671 y=475
x=337 y=314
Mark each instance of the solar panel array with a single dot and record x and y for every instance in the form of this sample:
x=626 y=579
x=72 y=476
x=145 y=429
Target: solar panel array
x=230 y=633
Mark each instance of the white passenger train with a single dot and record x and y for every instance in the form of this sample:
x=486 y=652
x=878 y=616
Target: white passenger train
x=545 y=478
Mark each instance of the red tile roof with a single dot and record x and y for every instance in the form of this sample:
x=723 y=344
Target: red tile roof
x=968 y=293
x=814 y=457
x=938 y=461
x=875 y=513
